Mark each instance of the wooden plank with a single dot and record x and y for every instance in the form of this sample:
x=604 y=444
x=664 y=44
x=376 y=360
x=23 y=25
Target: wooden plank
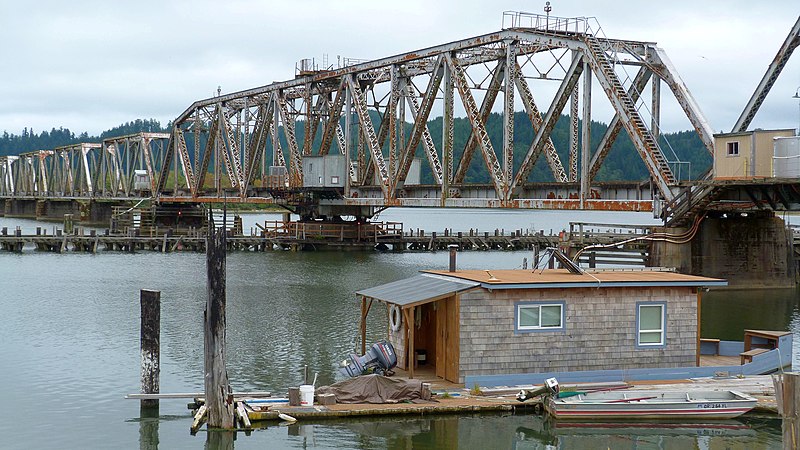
x=242 y=413
x=177 y=395
x=199 y=419
x=441 y=336
x=452 y=340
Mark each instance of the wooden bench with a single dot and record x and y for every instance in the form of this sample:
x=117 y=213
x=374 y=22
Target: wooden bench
x=713 y=342
x=748 y=355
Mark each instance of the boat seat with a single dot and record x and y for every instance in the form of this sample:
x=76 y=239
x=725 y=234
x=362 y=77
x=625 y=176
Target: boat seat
x=747 y=356
x=714 y=343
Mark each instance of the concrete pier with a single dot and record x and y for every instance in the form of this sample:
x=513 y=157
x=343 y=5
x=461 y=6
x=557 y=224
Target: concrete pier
x=753 y=250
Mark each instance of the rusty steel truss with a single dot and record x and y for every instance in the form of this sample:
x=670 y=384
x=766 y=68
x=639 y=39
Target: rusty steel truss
x=359 y=111
x=86 y=170
x=247 y=146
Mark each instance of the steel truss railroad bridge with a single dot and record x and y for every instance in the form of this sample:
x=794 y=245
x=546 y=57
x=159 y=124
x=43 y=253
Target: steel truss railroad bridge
x=244 y=146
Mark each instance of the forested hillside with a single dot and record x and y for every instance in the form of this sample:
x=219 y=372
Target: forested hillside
x=29 y=140
x=622 y=163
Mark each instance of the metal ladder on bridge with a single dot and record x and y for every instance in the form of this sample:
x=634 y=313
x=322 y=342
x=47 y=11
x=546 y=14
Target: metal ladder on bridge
x=634 y=123
x=690 y=204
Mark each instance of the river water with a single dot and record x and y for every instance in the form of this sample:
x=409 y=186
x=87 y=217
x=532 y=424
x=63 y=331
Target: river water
x=69 y=344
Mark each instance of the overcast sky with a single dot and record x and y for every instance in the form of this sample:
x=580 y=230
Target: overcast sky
x=89 y=65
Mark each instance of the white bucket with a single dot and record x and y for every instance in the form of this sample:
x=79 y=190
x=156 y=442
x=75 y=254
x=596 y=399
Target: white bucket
x=306 y=394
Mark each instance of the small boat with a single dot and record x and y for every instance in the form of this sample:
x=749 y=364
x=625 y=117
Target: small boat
x=650 y=404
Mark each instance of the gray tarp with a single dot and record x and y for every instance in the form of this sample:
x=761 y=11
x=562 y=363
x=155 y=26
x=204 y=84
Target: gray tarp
x=376 y=389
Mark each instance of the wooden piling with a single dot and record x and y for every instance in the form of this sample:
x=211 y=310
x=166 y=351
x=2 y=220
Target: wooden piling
x=219 y=398
x=787 y=395
x=150 y=344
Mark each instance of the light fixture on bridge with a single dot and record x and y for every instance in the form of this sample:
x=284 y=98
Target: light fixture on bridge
x=547 y=9
x=797 y=96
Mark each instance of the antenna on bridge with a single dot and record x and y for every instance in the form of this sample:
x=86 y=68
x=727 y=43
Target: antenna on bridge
x=219 y=90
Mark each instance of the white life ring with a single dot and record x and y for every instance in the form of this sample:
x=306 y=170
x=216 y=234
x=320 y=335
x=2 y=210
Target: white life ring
x=395 y=318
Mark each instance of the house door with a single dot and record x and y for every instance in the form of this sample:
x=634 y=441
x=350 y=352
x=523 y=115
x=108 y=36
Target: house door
x=447 y=339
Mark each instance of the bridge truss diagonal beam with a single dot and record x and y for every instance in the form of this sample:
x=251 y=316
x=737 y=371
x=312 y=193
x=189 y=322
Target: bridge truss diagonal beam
x=563 y=94
x=773 y=71
x=484 y=143
x=615 y=126
x=654 y=159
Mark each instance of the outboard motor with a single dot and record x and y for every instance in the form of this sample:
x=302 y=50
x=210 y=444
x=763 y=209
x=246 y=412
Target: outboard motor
x=550 y=388
x=380 y=357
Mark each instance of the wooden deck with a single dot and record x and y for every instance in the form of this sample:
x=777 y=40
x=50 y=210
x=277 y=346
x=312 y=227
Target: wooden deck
x=427 y=374
x=462 y=402
x=711 y=360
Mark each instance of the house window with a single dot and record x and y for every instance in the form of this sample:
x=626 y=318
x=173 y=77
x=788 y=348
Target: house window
x=651 y=324
x=733 y=148
x=540 y=316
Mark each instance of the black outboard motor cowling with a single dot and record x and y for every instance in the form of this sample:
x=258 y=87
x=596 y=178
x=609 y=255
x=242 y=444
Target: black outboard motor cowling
x=380 y=357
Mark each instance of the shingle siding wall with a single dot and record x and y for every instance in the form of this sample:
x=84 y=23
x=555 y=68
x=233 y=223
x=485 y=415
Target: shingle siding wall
x=600 y=331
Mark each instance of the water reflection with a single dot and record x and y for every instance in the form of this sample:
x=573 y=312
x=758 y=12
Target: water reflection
x=148 y=428
x=514 y=431
x=725 y=314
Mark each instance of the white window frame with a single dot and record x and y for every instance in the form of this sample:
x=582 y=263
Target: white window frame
x=525 y=305
x=732 y=148
x=662 y=330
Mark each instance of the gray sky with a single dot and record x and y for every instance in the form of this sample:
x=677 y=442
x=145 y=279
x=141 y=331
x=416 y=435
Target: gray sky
x=90 y=65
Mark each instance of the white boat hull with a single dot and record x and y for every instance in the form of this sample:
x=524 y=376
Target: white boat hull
x=641 y=405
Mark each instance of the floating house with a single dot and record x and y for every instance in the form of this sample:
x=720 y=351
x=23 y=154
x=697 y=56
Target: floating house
x=507 y=327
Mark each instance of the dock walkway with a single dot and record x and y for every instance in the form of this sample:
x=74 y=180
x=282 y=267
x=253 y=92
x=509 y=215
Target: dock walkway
x=460 y=401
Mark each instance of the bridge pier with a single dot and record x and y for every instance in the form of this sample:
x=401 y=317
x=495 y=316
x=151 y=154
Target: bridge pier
x=89 y=212
x=749 y=251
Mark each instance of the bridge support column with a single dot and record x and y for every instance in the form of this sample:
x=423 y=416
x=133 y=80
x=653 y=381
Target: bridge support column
x=748 y=251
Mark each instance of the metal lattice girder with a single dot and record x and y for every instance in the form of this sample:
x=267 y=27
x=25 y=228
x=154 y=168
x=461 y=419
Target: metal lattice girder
x=186 y=164
x=230 y=153
x=427 y=140
x=478 y=128
x=168 y=155
x=295 y=158
x=122 y=156
x=394 y=98
x=773 y=71
x=486 y=108
x=643 y=141
x=535 y=116
x=573 y=136
x=543 y=134
x=77 y=165
x=257 y=144
x=448 y=126
x=666 y=71
x=277 y=152
x=213 y=136
x=508 y=112
x=7 y=187
x=615 y=126
x=332 y=125
x=420 y=124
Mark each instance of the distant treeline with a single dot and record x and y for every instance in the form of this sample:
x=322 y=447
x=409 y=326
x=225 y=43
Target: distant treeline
x=623 y=162
x=29 y=140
